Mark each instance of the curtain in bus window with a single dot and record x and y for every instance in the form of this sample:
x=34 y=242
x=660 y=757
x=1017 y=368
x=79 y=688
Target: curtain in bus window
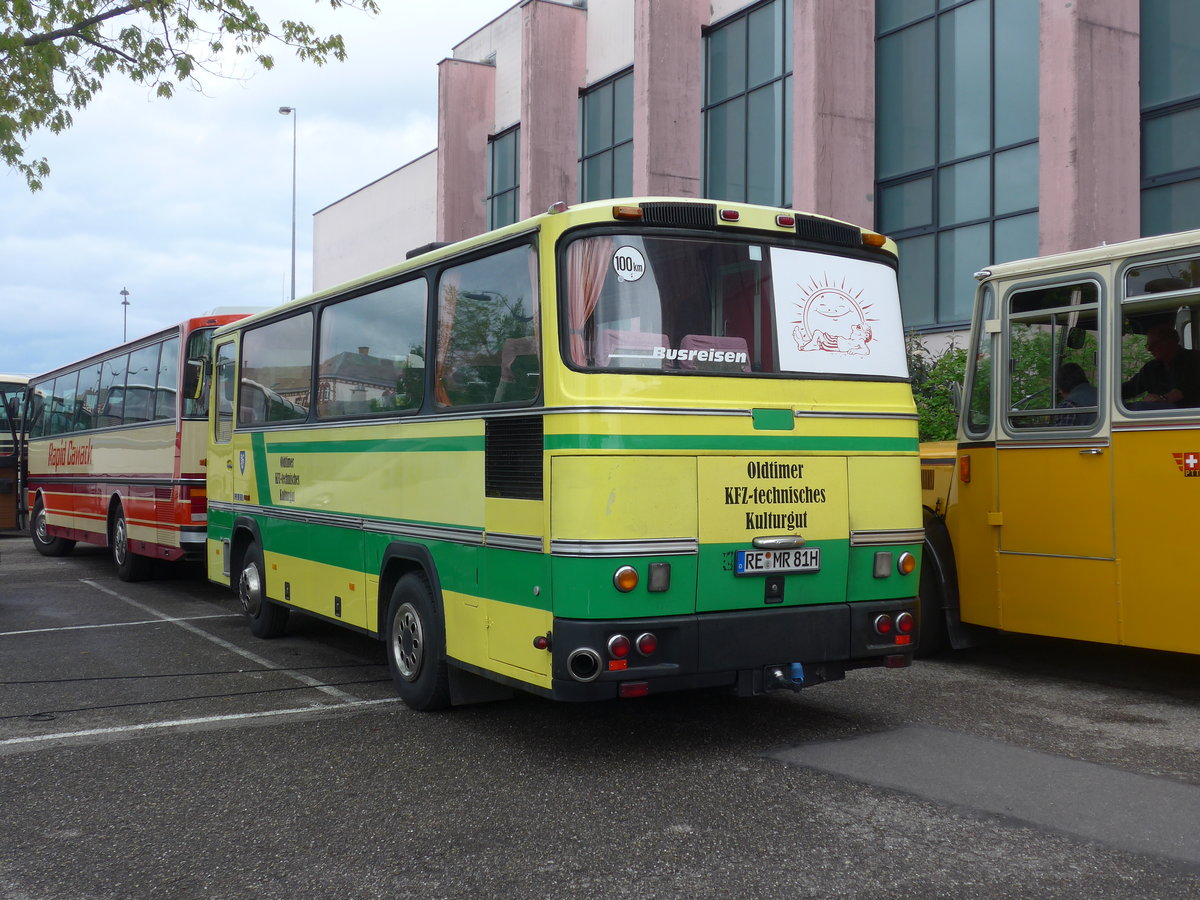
x=587 y=266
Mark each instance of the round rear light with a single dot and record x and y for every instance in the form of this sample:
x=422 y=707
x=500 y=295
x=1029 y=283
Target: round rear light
x=906 y=564
x=625 y=579
x=883 y=624
x=904 y=623
x=618 y=646
x=647 y=644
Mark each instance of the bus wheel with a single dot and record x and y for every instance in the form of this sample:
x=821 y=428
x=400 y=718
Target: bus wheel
x=45 y=544
x=416 y=645
x=130 y=566
x=266 y=619
x=932 y=636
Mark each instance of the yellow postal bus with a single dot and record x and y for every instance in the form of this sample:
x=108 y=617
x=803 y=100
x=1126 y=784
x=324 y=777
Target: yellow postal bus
x=612 y=450
x=1065 y=507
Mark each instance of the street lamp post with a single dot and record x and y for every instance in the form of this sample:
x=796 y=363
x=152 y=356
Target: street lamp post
x=291 y=111
x=124 y=315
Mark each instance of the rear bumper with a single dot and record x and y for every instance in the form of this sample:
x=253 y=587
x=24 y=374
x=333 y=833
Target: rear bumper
x=736 y=649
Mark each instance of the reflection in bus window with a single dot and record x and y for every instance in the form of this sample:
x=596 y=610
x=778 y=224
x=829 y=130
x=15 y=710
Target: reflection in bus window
x=1160 y=365
x=166 y=395
x=372 y=353
x=487 y=348
x=112 y=392
x=276 y=369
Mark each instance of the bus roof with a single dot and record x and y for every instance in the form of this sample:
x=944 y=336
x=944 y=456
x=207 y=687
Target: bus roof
x=532 y=224
x=1091 y=256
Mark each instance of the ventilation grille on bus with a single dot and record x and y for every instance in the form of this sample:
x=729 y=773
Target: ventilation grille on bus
x=687 y=214
x=513 y=458
x=927 y=479
x=826 y=232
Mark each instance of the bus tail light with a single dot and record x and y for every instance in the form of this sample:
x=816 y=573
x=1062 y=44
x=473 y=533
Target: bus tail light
x=783 y=220
x=618 y=646
x=647 y=644
x=904 y=623
x=964 y=469
x=883 y=624
x=197 y=499
x=730 y=215
x=633 y=689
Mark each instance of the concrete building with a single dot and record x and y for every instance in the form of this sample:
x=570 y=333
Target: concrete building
x=971 y=131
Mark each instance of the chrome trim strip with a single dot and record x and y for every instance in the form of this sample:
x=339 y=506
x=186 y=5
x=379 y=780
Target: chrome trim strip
x=526 y=543
x=1039 y=445
x=608 y=549
x=878 y=538
x=472 y=537
x=1056 y=555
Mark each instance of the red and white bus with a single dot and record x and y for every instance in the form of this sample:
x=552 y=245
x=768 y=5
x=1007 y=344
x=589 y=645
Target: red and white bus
x=116 y=450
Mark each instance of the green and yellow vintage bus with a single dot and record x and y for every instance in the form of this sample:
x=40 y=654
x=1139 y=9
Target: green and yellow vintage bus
x=616 y=449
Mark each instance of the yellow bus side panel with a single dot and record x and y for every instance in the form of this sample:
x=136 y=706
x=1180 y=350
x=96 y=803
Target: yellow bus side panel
x=885 y=493
x=1042 y=595
x=523 y=517
x=511 y=629
x=1157 y=507
x=315 y=586
x=497 y=636
x=974 y=540
x=627 y=497
x=466 y=631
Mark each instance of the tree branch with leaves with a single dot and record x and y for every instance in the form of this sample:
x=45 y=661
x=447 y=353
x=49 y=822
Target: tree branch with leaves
x=56 y=54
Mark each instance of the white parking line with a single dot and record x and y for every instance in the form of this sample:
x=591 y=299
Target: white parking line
x=183 y=723
x=119 y=624
x=225 y=645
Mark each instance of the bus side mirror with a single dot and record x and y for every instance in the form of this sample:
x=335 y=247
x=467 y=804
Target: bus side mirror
x=1076 y=337
x=193 y=379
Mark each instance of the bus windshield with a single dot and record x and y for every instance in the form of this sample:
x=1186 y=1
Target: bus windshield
x=696 y=306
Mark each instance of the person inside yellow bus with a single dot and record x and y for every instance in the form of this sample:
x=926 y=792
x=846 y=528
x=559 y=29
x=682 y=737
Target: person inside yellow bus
x=1171 y=378
x=1075 y=390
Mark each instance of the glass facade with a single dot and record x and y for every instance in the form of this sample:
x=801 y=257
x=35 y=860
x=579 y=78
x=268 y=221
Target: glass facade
x=1170 y=86
x=748 y=106
x=606 y=139
x=956 y=145
x=504 y=178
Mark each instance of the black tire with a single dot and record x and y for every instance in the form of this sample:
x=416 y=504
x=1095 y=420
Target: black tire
x=266 y=618
x=415 y=636
x=932 y=634
x=130 y=566
x=45 y=544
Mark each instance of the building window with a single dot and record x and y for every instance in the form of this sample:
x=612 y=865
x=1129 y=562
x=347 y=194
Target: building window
x=1170 y=77
x=606 y=139
x=957 y=179
x=504 y=178
x=748 y=106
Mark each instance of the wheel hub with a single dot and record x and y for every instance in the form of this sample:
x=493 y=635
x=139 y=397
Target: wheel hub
x=408 y=642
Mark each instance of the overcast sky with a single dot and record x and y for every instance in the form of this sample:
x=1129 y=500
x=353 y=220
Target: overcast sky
x=186 y=203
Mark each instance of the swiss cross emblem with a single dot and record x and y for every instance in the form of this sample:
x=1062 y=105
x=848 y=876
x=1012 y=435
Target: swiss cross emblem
x=1189 y=464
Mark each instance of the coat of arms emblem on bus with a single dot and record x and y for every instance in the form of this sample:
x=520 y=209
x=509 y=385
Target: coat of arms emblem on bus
x=242 y=462
x=1189 y=464
x=832 y=320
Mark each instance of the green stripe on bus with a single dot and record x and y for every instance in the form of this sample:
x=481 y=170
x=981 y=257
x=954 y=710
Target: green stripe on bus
x=763 y=443
x=466 y=443
x=261 y=482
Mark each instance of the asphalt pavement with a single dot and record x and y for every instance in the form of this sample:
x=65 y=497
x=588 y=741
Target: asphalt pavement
x=151 y=747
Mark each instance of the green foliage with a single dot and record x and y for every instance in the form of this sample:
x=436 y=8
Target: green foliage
x=55 y=55
x=932 y=378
